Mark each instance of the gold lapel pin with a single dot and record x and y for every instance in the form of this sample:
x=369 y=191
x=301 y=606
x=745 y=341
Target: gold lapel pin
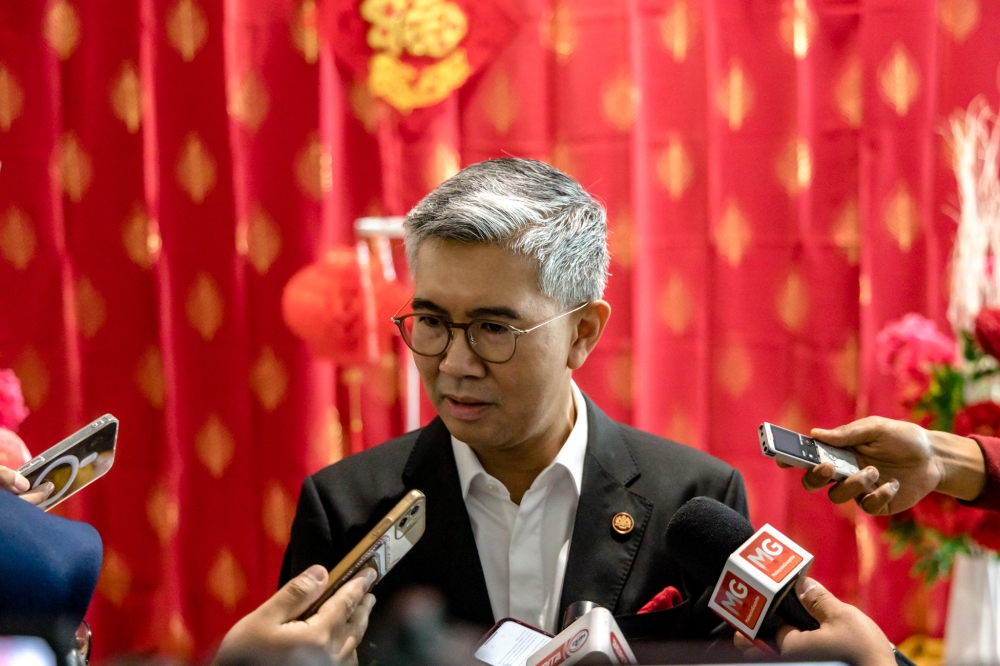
x=622 y=523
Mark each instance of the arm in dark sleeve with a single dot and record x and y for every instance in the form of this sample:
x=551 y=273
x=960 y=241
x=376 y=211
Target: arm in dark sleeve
x=989 y=499
x=736 y=495
x=312 y=541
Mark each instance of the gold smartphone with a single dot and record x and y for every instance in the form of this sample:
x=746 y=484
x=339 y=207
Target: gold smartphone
x=382 y=548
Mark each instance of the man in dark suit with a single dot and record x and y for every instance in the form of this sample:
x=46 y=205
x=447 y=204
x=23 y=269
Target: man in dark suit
x=535 y=498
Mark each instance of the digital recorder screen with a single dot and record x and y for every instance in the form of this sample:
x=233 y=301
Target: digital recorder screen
x=794 y=444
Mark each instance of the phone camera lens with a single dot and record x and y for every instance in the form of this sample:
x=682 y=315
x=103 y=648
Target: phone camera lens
x=403 y=522
x=415 y=510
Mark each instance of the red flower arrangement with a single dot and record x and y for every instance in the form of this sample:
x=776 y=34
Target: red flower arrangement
x=13 y=452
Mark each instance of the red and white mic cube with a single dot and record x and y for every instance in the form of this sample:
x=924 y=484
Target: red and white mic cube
x=593 y=639
x=757 y=573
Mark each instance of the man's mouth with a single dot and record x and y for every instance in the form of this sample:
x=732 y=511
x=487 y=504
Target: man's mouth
x=465 y=407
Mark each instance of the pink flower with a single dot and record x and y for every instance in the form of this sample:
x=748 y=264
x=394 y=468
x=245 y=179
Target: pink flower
x=12 y=408
x=908 y=349
x=13 y=452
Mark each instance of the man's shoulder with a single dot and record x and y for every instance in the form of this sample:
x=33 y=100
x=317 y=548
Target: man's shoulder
x=372 y=469
x=654 y=452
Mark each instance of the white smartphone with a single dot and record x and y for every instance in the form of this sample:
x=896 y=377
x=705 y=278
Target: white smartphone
x=805 y=452
x=510 y=642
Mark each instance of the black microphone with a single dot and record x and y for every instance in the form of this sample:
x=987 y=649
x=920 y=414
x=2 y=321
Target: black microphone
x=704 y=533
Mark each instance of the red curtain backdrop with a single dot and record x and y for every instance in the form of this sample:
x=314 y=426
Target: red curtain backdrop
x=777 y=187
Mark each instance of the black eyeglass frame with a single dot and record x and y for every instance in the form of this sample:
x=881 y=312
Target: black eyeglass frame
x=451 y=326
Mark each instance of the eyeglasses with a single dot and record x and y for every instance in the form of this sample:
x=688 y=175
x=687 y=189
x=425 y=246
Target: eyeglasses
x=431 y=335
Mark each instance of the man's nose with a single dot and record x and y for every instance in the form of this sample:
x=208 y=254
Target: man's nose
x=459 y=360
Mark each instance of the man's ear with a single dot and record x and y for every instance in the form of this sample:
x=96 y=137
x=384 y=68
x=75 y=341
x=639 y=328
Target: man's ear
x=590 y=323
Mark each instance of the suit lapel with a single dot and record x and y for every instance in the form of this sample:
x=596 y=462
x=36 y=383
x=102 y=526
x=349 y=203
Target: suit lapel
x=448 y=547
x=599 y=558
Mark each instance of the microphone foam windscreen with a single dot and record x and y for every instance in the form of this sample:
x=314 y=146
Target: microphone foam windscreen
x=703 y=534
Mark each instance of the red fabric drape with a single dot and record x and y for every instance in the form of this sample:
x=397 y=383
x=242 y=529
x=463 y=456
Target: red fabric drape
x=776 y=187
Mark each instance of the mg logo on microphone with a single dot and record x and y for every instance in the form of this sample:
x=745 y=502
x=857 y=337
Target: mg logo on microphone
x=768 y=554
x=740 y=600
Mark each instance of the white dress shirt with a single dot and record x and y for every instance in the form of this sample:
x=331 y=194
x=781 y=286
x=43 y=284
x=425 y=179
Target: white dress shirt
x=523 y=549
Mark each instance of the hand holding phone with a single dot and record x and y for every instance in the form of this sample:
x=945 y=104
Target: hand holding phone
x=805 y=452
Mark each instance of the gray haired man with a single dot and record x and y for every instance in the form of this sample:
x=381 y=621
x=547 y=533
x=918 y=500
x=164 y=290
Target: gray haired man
x=535 y=498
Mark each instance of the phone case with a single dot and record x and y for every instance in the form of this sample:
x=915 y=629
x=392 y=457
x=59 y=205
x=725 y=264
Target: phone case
x=844 y=461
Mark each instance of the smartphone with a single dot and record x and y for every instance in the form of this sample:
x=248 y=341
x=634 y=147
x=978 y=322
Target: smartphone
x=75 y=462
x=510 y=642
x=805 y=452
x=382 y=548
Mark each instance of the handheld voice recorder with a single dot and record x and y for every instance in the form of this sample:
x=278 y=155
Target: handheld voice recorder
x=804 y=452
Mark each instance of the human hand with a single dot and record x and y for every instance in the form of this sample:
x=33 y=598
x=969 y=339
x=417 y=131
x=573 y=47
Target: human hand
x=14 y=482
x=336 y=628
x=901 y=463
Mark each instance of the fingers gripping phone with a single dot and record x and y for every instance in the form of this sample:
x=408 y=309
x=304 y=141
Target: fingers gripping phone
x=75 y=462
x=381 y=548
x=805 y=452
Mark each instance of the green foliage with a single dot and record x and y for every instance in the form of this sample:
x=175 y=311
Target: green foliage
x=943 y=399
x=935 y=552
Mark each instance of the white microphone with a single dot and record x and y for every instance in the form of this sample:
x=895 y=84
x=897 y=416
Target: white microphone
x=593 y=639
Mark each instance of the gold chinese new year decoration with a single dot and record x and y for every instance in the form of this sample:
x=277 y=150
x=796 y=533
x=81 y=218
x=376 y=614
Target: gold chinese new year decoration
x=305 y=36
x=314 y=168
x=847 y=93
x=17 y=238
x=959 y=17
x=248 y=100
x=141 y=237
x=258 y=239
x=187 y=28
x=34 y=375
x=269 y=379
x=732 y=233
x=794 y=166
x=62 y=28
x=500 y=102
x=278 y=512
x=126 y=96
x=72 y=166
x=793 y=417
x=845 y=365
x=619 y=376
x=798 y=25
x=733 y=369
x=116 y=578
x=674 y=167
x=205 y=306
x=846 y=231
x=196 y=170
x=421 y=28
x=559 y=32
x=735 y=96
x=444 y=163
x=921 y=649
x=163 y=512
x=792 y=302
x=226 y=580
x=619 y=101
x=91 y=308
x=150 y=378
x=676 y=305
x=620 y=238
x=11 y=98
x=898 y=80
x=677 y=28
x=363 y=106
x=901 y=216
x=215 y=446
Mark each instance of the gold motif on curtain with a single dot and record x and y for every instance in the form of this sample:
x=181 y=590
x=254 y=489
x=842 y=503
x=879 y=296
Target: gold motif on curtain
x=384 y=380
x=864 y=290
x=363 y=106
x=226 y=581
x=901 y=216
x=619 y=376
x=149 y=377
x=792 y=302
x=126 y=96
x=793 y=417
x=62 y=28
x=327 y=443
x=558 y=31
x=676 y=304
x=794 y=166
x=269 y=379
x=278 y=511
x=847 y=233
x=619 y=101
x=847 y=93
x=141 y=237
x=205 y=306
x=305 y=37
x=91 y=308
x=215 y=446
x=959 y=17
x=353 y=378
x=797 y=27
x=735 y=96
x=314 y=168
x=500 y=102
x=258 y=239
x=177 y=641
x=733 y=369
x=34 y=375
x=674 y=167
x=418 y=28
x=195 y=171
x=677 y=28
x=561 y=157
x=868 y=553
x=11 y=98
x=187 y=28
x=444 y=163
x=163 y=512
x=72 y=166
x=248 y=100
x=17 y=238
x=116 y=578
x=732 y=233
x=898 y=80
x=680 y=428
x=620 y=238
x=845 y=365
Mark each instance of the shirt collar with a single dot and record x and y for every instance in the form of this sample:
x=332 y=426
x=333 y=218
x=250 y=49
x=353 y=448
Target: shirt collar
x=571 y=456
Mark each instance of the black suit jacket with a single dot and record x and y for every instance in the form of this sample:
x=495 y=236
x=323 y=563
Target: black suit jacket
x=625 y=469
